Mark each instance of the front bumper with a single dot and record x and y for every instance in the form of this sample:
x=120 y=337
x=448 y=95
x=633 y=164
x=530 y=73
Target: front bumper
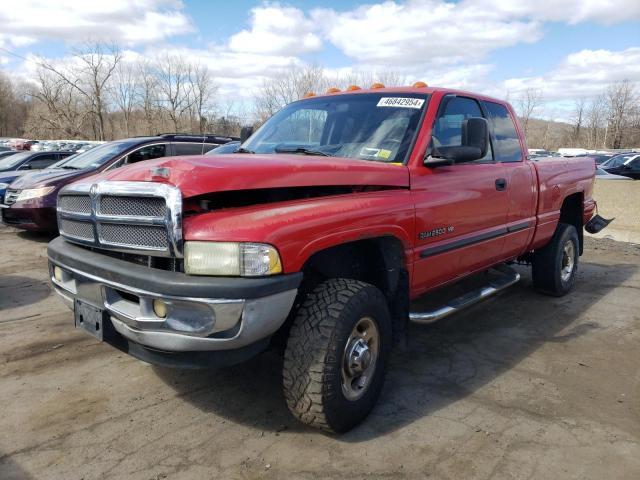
x=204 y=314
x=30 y=218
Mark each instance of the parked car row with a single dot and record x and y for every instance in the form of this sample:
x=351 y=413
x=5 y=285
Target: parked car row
x=19 y=144
x=611 y=165
x=28 y=198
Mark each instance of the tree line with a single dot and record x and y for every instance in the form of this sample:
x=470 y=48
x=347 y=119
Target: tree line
x=99 y=94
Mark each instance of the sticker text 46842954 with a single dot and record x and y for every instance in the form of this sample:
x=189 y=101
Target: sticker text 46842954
x=401 y=102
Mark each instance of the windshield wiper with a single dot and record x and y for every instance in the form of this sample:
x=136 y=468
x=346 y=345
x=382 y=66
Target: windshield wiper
x=303 y=150
x=69 y=167
x=244 y=150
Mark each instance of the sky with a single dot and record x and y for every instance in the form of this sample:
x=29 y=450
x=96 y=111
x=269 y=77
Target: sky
x=567 y=49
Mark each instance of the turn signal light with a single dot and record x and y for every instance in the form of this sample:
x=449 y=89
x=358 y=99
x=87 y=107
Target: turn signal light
x=351 y=88
x=160 y=308
x=333 y=90
x=420 y=85
x=377 y=85
x=309 y=94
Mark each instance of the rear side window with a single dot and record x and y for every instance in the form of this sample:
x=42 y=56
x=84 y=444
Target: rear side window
x=148 y=152
x=42 y=161
x=192 y=148
x=506 y=142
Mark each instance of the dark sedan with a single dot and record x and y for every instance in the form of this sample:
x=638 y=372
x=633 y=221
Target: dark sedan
x=627 y=165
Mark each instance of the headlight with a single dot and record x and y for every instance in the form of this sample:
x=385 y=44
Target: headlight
x=231 y=259
x=3 y=186
x=30 y=193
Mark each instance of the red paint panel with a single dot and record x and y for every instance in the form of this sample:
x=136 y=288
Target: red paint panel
x=203 y=174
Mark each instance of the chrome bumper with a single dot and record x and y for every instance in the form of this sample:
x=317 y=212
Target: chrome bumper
x=190 y=325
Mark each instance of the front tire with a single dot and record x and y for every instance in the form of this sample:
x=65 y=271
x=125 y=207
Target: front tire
x=336 y=355
x=556 y=264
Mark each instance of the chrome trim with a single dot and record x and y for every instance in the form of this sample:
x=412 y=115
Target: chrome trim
x=238 y=322
x=172 y=220
x=508 y=278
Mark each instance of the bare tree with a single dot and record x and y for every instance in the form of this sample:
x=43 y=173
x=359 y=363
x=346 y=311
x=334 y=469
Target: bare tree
x=174 y=75
x=124 y=89
x=288 y=86
x=528 y=104
x=578 y=119
x=595 y=116
x=203 y=89
x=13 y=107
x=148 y=94
x=88 y=73
x=58 y=107
x=621 y=100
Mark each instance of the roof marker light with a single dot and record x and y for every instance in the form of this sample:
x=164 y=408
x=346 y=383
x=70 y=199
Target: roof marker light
x=377 y=85
x=420 y=85
x=309 y=94
x=333 y=90
x=351 y=88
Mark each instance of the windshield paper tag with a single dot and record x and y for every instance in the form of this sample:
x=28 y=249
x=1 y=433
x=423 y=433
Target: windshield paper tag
x=400 y=102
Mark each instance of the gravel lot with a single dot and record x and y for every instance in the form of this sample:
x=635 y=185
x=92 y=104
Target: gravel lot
x=522 y=386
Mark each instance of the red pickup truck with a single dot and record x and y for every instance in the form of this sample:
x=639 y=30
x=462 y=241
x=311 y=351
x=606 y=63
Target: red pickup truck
x=320 y=230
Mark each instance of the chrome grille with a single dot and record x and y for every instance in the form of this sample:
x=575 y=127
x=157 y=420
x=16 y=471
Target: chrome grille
x=143 y=218
x=132 y=206
x=75 y=203
x=76 y=229
x=142 y=235
x=10 y=196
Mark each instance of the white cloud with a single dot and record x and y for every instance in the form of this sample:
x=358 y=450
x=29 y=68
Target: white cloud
x=428 y=32
x=126 y=21
x=568 y=11
x=583 y=74
x=277 y=30
x=422 y=31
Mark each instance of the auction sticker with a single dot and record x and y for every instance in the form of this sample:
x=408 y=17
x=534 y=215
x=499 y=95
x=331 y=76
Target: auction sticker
x=401 y=102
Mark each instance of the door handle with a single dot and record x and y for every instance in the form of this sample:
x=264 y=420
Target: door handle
x=501 y=184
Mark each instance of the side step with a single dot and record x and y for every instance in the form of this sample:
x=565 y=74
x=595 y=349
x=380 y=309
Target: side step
x=508 y=277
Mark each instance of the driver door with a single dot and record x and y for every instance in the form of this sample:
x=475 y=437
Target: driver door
x=461 y=209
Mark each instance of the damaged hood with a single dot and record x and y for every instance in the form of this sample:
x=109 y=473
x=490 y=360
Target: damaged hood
x=199 y=175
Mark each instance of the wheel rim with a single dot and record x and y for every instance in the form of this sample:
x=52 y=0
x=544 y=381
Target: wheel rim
x=568 y=261
x=359 y=358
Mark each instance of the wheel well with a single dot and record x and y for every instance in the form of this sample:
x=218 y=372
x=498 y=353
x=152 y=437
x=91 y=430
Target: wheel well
x=379 y=261
x=571 y=213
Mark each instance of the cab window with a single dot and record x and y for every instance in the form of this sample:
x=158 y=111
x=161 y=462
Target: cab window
x=505 y=136
x=447 y=129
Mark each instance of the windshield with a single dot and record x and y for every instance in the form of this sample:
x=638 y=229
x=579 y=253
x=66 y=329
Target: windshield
x=370 y=126
x=8 y=163
x=97 y=156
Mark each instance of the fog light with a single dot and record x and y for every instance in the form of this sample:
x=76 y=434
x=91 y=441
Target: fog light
x=57 y=273
x=160 y=308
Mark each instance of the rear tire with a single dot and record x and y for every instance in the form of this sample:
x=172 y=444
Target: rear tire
x=556 y=264
x=336 y=355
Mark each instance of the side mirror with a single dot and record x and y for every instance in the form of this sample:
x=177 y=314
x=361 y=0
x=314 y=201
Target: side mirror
x=474 y=136
x=245 y=133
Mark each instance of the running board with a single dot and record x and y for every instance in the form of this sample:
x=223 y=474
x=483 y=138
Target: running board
x=508 y=278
